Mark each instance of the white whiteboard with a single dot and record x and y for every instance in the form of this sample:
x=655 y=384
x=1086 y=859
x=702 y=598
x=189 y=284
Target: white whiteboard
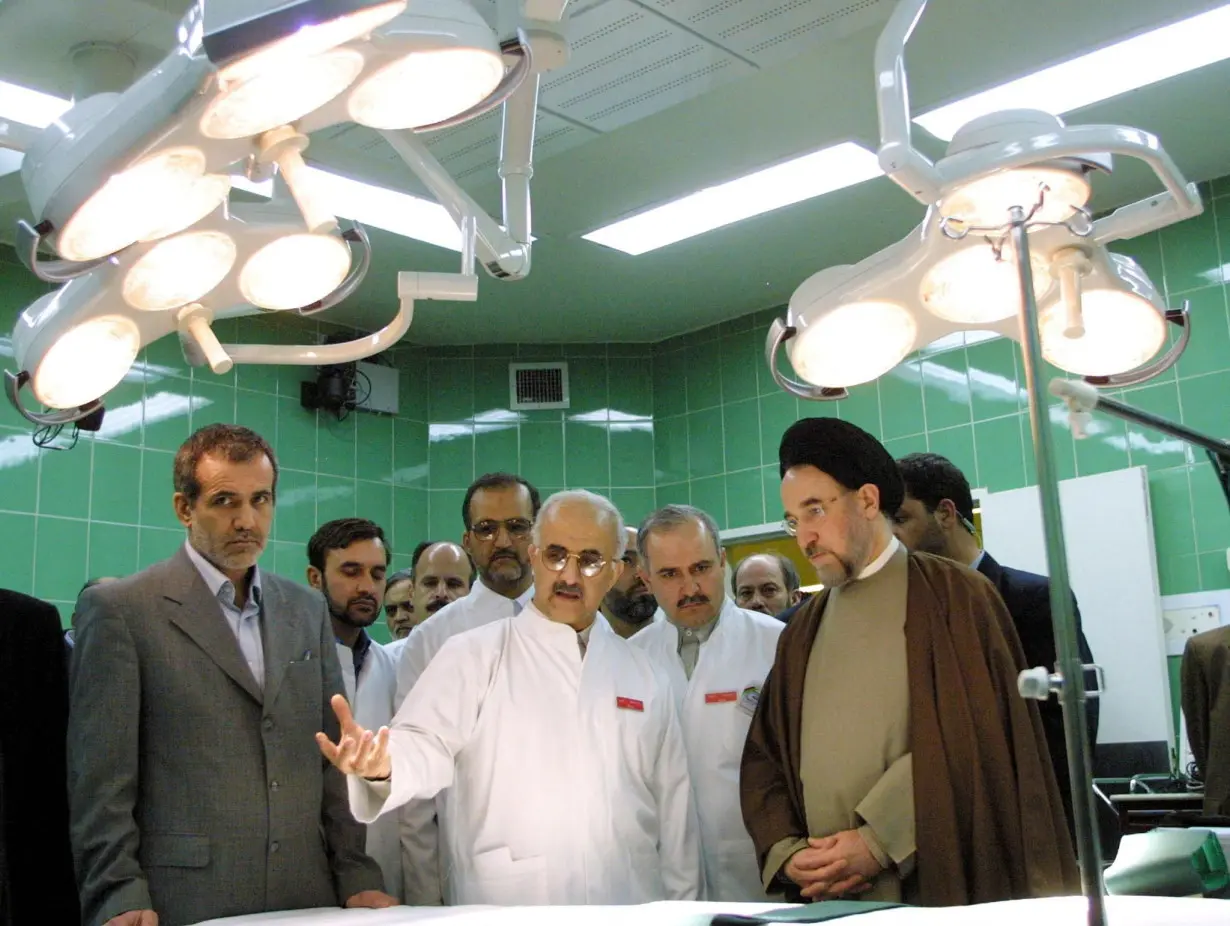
x=1112 y=565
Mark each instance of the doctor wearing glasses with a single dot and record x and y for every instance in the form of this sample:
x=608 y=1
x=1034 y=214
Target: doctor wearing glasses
x=559 y=740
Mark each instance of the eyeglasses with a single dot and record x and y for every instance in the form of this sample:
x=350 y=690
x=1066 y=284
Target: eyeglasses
x=811 y=513
x=589 y=562
x=516 y=527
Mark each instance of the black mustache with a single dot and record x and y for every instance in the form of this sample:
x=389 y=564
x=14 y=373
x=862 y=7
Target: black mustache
x=565 y=587
x=368 y=598
x=692 y=599
x=436 y=604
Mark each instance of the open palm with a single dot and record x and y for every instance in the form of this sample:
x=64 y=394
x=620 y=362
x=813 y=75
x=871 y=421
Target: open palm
x=357 y=751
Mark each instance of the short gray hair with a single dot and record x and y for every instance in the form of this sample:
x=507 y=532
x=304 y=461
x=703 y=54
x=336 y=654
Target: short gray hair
x=671 y=517
x=603 y=506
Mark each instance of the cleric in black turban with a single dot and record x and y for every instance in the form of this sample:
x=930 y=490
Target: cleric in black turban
x=847 y=453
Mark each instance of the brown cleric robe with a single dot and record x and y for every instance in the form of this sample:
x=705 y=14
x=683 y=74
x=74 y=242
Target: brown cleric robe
x=988 y=820
x=1206 y=708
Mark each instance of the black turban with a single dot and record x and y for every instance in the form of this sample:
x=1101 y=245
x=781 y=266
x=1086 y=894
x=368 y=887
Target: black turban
x=845 y=452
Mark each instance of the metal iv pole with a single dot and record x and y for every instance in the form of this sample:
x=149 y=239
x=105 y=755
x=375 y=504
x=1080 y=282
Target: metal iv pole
x=1068 y=681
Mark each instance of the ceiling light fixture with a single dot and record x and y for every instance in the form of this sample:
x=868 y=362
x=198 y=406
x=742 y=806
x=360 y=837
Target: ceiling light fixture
x=126 y=187
x=1116 y=69
x=793 y=181
x=1011 y=192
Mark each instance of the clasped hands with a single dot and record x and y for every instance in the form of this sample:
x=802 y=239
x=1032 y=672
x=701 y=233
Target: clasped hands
x=357 y=751
x=833 y=866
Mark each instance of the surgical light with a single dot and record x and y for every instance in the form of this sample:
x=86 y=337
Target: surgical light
x=87 y=361
x=984 y=202
x=855 y=343
x=162 y=193
x=294 y=271
x=179 y=270
x=979 y=284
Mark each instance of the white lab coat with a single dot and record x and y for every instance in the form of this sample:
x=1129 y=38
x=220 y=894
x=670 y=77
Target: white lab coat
x=715 y=709
x=394 y=648
x=569 y=780
x=420 y=836
x=372 y=707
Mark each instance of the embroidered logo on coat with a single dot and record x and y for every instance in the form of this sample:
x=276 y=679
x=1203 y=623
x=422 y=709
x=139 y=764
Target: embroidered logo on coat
x=750 y=698
x=721 y=697
x=630 y=704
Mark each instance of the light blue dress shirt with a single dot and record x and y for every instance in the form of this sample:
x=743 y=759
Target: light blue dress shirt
x=245 y=624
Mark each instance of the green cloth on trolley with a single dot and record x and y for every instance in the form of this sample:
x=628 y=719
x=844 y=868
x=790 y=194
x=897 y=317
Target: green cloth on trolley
x=808 y=913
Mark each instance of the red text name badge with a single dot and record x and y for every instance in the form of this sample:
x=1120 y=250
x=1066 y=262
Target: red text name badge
x=721 y=697
x=630 y=704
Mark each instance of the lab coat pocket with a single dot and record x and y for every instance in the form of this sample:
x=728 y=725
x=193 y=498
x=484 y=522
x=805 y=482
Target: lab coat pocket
x=504 y=881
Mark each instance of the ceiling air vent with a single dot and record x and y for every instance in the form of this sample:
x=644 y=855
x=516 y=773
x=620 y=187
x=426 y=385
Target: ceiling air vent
x=538 y=385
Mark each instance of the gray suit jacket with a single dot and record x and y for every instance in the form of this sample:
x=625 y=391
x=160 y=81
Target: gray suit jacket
x=192 y=792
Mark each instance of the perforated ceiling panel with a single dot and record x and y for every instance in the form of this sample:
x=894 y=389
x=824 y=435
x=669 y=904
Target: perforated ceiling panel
x=629 y=62
x=769 y=31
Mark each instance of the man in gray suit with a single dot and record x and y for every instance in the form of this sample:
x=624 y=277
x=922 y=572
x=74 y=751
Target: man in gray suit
x=197 y=686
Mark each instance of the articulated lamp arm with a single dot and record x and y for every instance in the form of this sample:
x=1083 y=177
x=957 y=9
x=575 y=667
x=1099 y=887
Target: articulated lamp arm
x=904 y=164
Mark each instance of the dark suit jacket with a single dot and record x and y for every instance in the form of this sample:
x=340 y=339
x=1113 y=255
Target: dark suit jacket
x=194 y=792
x=1206 y=708
x=36 y=864
x=1028 y=597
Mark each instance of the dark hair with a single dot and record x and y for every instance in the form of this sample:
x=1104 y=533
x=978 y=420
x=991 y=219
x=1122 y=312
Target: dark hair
x=931 y=478
x=412 y=572
x=497 y=481
x=339 y=534
x=401 y=575
x=233 y=443
x=790 y=574
x=670 y=517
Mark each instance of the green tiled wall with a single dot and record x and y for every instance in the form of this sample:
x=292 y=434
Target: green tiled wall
x=718 y=415
x=694 y=419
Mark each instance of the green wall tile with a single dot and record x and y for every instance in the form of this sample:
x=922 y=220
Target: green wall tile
x=335 y=444
x=296 y=439
x=1206 y=403
x=414 y=385
x=994 y=385
x=1190 y=254
x=374 y=501
x=125 y=403
x=704 y=377
x=901 y=403
x=957 y=444
x=1104 y=448
x=211 y=403
x=288 y=560
x=778 y=411
x=706 y=445
x=374 y=455
x=740 y=357
x=1209 y=507
x=496 y=448
x=1146 y=446
x=410 y=453
x=542 y=453
x=745 y=498
x=630 y=386
x=860 y=407
x=1063 y=444
x=491 y=386
x=1213 y=571
x=116 y=492
x=410 y=519
x=670 y=448
x=1146 y=251
x=335 y=498
x=674 y=493
x=158 y=490
x=1178 y=575
x=1170 y=501
x=19 y=463
x=632 y=455
x=741 y=427
x=901 y=446
x=634 y=504
x=587 y=460
x=155 y=544
x=946 y=390
x=771 y=489
x=450 y=455
x=295 y=517
x=709 y=494
x=587 y=387
x=451 y=390
x=167 y=359
x=1209 y=348
x=60 y=558
x=113 y=550
x=444 y=514
x=670 y=385
x=258 y=411
x=17 y=552
x=64 y=481
x=168 y=405
x=1001 y=458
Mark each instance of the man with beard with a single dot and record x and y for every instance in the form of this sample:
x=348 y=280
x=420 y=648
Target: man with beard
x=890 y=752
x=937 y=516
x=629 y=606
x=347 y=562
x=766 y=582
x=557 y=740
x=716 y=656
x=498 y=513
x=195 y=687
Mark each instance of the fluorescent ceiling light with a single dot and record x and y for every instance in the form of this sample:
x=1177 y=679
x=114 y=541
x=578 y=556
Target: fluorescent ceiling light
x=802 y=178
x=1108 y=72
x=29 y=107
x=399 y=213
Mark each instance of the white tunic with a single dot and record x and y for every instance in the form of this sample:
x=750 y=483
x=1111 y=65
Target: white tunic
x=373 y=708
x=715 y=709
x=425 y=884
x=569 y=777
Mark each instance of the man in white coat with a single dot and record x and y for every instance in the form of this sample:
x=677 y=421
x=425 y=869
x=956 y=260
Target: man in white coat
x=716 y=656
x=559 y=740
x=347 y=563
x=498 y=511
